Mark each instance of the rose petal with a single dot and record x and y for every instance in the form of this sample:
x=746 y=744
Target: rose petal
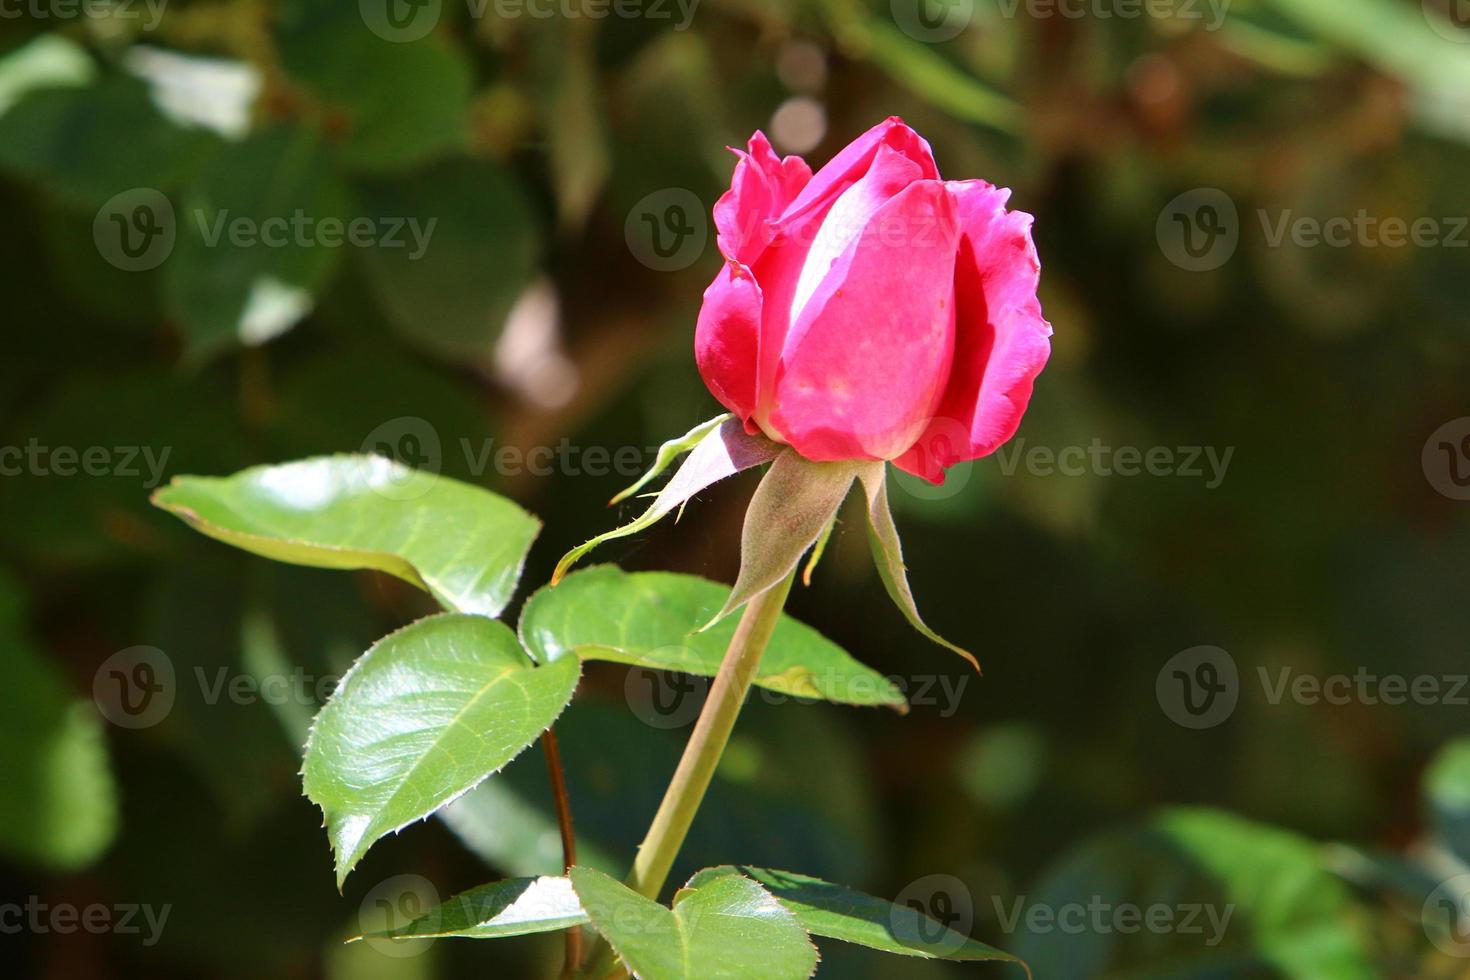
x=760 y=189
x=847 y=219
x=854 y=160
x=864 y=367
x=726 y=338
x=1001 y=339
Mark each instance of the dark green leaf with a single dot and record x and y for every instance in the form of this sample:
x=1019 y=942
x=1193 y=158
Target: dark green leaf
x=59 y=805
x=470 y=248
x=1257 y=900
x=90 y=143
x=259 y=232
x=403 y=102
x=102 y=440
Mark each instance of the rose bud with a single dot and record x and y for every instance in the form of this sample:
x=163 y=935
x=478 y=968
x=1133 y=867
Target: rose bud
x=872 y=311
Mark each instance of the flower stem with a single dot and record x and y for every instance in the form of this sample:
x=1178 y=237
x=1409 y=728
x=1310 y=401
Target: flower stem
x=711 y=732
x=573 y=938
x=701 y=755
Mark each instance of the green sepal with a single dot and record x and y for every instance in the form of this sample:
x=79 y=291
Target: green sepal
x=888 y=555
x=722 y=451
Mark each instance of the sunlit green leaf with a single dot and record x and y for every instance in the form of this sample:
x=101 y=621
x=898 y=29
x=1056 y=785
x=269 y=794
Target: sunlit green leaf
x=838 y=912
x=724 y=929
x=422 y=717
x=49 y=61
x=462 y=544
x=513 y=907
x=650 y=619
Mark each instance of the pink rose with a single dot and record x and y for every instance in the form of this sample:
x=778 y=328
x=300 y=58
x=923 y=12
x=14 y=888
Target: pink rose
x=872 y=311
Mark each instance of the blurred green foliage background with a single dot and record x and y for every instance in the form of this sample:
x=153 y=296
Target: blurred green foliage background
x=540 y=311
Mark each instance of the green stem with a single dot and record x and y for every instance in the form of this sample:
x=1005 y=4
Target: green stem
x=702 y=755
